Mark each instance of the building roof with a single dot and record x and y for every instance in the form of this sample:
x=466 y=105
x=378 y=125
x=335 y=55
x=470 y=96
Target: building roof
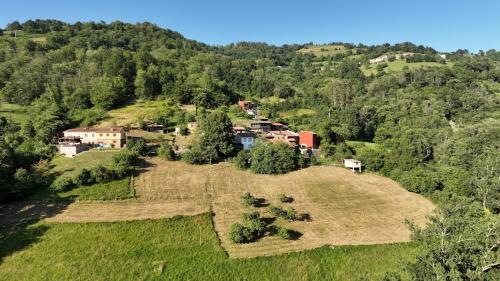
x=246 y=135
x=278 y=124
x=239 y=128
x=307 y=132
x=96 y=130
x=287 y=133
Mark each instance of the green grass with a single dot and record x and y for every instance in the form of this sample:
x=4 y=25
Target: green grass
x=175 y=249
x=113 y=190
x=70 y=166
x=14 y=112
x=297 y=112
x=398 y=65
x=129 y=114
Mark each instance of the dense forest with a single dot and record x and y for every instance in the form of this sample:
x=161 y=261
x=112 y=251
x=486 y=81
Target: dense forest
x=435 y=129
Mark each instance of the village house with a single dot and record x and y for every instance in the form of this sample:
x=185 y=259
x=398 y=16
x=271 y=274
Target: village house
x=386 y=57
x=308 y=141
x=249 y=107
x=260 y=126
x=286 y=136
x=99 y=137
x=276 y=126
x=155 y=128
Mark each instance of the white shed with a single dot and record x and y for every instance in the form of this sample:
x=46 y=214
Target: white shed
x=353 y=164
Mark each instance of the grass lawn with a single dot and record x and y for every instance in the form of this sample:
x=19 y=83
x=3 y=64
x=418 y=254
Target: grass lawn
x=113 y=190
x=184 y=248
x=398 y=65
x=14 y=112
x=70 y=166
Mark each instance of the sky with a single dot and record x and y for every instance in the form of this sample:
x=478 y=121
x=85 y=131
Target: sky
x=445 y=25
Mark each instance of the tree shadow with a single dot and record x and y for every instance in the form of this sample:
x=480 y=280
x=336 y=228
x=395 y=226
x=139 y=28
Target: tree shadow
x=305 y=217
x=294 y=235
x=261 y=203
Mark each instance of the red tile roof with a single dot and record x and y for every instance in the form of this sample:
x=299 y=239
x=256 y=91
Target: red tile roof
x=97 y=130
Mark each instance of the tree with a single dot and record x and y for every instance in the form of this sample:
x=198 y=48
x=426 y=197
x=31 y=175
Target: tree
x=166 y=152
x=13 y=26
x=276 y=158
x=147 y=83
x=461 y=242
x=214 y=140
x=107 y=92
x=486 y=180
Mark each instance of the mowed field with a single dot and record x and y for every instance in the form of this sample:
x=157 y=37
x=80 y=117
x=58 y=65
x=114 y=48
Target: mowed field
x=346 y=208
x=127 y=115
x=324 y=50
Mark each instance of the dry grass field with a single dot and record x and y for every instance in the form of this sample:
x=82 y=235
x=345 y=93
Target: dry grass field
x=345 y=208
x=128 y=115
x=324 y=50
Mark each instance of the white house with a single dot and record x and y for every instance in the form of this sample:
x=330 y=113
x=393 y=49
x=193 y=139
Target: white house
x=352 y=164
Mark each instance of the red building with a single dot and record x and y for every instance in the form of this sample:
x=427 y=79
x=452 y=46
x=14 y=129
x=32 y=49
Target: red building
x=308 y=139
x=246 y=105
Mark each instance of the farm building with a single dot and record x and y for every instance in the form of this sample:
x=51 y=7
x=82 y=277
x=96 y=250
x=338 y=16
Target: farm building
x=308 y=140
x=156 y=128
x=101 y=137
x=71 y=146
x=353 y=164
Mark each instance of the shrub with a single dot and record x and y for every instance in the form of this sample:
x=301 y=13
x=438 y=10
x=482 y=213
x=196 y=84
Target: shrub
x=137 y=146
x=62 y=184
x=253 y=222
x=84 y=177
x=100 y=173
x=165 y=151
x=291 y=214
x=248 y=199
x=283 y=233
x=242 y=159
x=276 y=211
x=122 y=163
x=240 y=234
x=284 y=199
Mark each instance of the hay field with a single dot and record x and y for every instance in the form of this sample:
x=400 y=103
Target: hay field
x=346 y=208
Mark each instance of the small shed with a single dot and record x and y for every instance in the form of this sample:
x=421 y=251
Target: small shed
x=353 y=164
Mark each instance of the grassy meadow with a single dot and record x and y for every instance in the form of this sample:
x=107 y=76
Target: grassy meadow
x=14 y=112
x=182 y=248
x=70 y=166
x=398 y=65
x=112 y=190
x=127 y=115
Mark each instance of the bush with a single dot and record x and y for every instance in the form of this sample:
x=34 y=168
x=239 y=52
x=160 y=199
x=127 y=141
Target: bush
x=62 y=184
x=242 y=159
x=122 y=163
x=240 y=234
x=291 y=214
x=283 y=233
x=100 y=173
x=137 y=146
x=276 y=211
x=373 y=160
x=166 y=152
x=284 y=199
x=248 y=199
x=84 y=177
x=253 y=222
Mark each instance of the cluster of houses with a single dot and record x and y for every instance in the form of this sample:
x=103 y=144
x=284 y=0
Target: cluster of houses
x=272 y=132
x=387 y=57
x=77 y=140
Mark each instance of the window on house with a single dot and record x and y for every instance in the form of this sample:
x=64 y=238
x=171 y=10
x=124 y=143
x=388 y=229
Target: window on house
x=107 y=135
x=114 y=141
x=114 y=135
x=93 y=135
x=100 y=135
x=85 y=135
